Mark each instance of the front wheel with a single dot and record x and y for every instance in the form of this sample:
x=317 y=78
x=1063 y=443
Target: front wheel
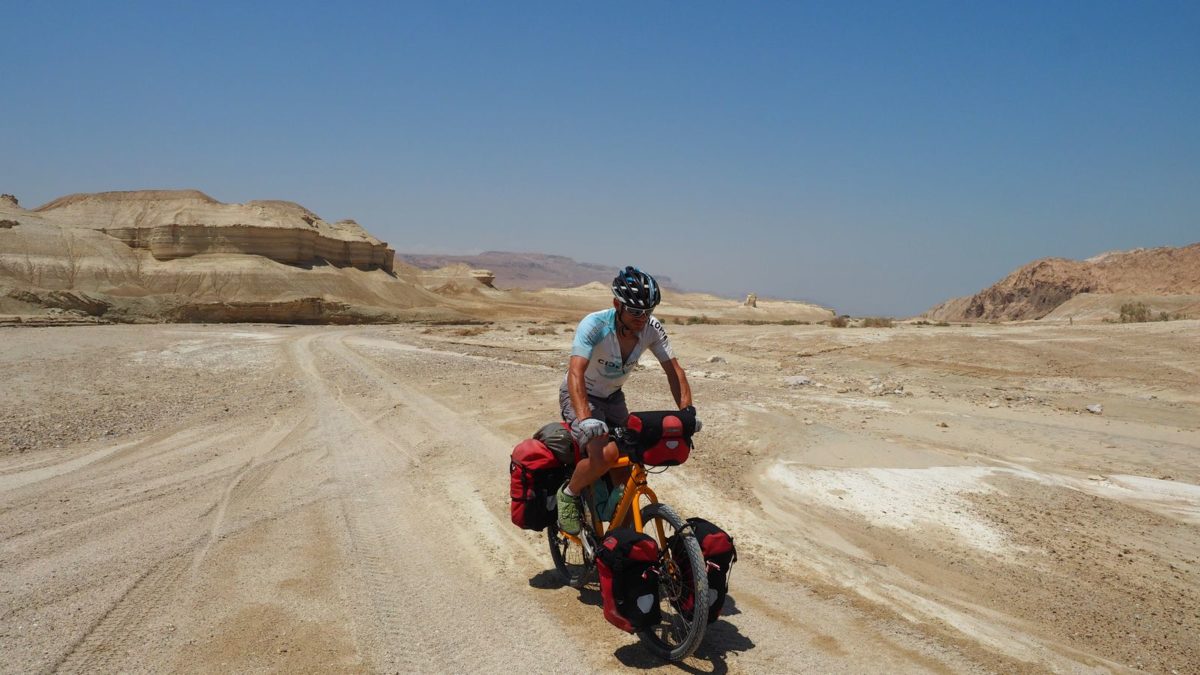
x=682 y=579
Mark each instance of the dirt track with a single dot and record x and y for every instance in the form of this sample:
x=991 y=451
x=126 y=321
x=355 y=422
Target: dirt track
x=216 y=498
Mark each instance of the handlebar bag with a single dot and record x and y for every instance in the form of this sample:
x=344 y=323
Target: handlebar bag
x=719 y=555
x=659 y=438
x=626 y=561
x=535 y=475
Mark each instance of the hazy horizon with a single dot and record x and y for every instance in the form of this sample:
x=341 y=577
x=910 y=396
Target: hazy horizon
x=875 y=158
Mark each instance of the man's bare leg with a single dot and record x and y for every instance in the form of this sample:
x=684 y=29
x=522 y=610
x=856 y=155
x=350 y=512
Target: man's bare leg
x=602 y=454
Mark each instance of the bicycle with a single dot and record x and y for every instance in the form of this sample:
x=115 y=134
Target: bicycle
x=678 y=633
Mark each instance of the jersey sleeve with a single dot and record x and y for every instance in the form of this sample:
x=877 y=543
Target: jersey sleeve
x=659 y=344
x=587 y=336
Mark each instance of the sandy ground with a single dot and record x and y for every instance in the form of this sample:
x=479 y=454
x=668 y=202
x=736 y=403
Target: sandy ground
x=915 y=499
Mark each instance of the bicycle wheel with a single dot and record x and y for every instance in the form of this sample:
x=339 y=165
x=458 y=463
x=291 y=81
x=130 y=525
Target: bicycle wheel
x=680 y=631
x=572 y=560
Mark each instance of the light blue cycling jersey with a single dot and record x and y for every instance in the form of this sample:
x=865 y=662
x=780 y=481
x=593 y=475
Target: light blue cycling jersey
x=596 y=341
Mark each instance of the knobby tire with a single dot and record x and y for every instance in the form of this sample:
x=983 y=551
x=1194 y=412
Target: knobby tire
x=676 y=636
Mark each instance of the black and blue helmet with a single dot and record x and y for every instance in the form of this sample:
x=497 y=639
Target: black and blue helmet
x=636 y=289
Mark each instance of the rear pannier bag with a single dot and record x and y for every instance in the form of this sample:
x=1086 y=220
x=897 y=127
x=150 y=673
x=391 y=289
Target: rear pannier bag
x=535 y=475
x=659 y=438
x=557 y=437
x=627 y=562
x=719 y=555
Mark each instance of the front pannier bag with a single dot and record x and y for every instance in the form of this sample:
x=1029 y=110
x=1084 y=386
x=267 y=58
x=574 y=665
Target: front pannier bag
x=659 y=438
x=627 y=562
x=535 y=475
x=719 y=555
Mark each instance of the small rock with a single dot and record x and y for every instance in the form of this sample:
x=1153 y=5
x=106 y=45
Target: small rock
x=993 y=404
x=943 y=425
x=797 y=380
x=716 y=359
x=1095 y=409
x=1096 y=477
x=808 y=421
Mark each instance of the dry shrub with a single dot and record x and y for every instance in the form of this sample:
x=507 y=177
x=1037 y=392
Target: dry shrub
x=1135 y=312
x=542 y=330
x=877 y=322
x=469 y=331
x=839 y=321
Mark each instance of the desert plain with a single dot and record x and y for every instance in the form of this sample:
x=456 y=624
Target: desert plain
x=256 y=497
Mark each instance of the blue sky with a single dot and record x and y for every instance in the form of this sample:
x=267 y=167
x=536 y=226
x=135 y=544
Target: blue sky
x=875 y=157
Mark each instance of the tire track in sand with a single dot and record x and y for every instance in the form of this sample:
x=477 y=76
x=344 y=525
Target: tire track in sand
x=430 y=555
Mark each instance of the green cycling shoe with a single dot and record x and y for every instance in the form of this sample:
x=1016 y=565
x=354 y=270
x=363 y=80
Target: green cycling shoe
x=569 y=519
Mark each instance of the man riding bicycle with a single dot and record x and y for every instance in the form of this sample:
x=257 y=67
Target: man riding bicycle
x=606 y=348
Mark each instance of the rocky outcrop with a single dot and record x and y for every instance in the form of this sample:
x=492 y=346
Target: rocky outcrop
x=9 y=200
x=173 y=224
x=1035 y=290
x=75 y=301
x=484 y=277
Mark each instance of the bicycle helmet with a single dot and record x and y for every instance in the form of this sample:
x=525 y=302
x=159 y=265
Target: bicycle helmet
x=636 y=289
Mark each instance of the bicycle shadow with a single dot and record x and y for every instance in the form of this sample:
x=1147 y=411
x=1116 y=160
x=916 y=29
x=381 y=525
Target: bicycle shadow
x=547 y=580
x=720 y=639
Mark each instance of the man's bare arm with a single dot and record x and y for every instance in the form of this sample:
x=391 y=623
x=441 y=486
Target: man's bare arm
x=680 y=388
x=577 y=387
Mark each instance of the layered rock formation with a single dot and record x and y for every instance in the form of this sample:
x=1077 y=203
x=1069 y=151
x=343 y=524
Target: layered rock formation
x=173 y=224
x=1037 y=289
x=183 y=256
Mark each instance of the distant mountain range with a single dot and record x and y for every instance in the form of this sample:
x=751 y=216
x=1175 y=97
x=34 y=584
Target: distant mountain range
x=528 y=271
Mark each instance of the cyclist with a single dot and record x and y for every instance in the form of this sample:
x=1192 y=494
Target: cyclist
x=606 y=349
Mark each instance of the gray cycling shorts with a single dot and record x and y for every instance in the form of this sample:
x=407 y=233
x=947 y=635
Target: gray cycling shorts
x=612 y=410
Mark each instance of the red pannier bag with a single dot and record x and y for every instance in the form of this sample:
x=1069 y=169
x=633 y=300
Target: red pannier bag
x=627 y=562
x=719 y=555
x=659 y=438
x=535 y=475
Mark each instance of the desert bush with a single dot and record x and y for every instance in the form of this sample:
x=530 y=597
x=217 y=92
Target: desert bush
x=542 y=330
x=702 y=319
x=839 y=321
x=877 y=322
x=1135 y=312
x=469 y=331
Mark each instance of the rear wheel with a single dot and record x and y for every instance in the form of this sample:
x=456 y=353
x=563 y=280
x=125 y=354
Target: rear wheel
x=682 y=580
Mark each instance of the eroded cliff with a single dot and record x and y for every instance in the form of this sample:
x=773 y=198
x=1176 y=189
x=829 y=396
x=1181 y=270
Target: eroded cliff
x=173 y=224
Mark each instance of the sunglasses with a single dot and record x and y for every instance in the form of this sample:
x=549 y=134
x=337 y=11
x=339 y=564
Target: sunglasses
x=637 y=313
